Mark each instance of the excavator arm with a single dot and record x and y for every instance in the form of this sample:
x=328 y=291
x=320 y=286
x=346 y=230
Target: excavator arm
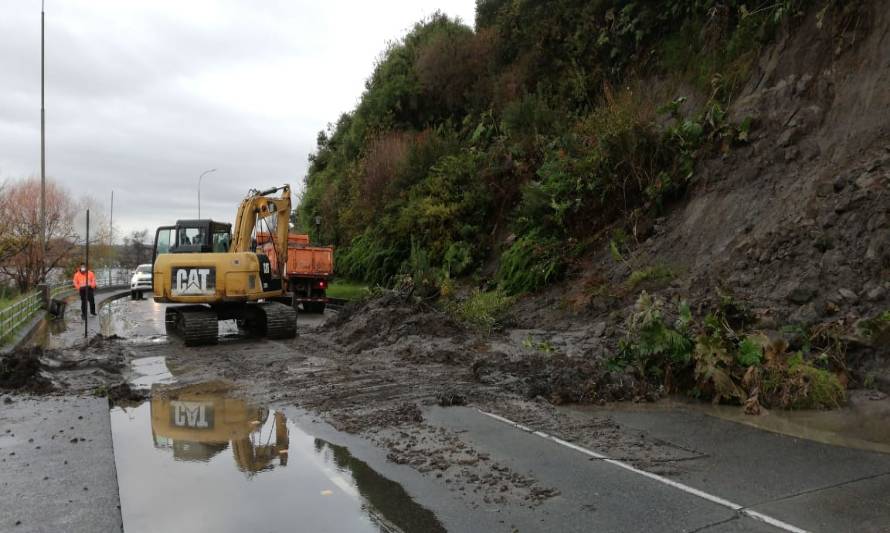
x=261 y=205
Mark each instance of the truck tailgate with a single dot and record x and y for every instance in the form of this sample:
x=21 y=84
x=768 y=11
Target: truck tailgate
x=310 y=261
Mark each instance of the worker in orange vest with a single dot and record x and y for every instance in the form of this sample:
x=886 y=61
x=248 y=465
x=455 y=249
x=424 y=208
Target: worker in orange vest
x=85 y=284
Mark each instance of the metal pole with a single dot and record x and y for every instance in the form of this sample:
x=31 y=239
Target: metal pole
x=111 y=235
x=86 y=320
x=42 y=156
x=199 y=188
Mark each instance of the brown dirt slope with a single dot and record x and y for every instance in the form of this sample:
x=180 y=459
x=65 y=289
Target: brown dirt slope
x=795 y=224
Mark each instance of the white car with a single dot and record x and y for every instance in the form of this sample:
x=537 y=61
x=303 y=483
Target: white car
x=140 y=282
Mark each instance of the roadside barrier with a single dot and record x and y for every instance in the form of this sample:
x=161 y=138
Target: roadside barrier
x=24 y=309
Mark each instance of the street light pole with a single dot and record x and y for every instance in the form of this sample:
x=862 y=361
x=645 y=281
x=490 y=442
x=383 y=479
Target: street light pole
x=42 y=157
x=199 y=188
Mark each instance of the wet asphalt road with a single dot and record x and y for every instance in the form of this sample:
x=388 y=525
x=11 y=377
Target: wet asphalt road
x=737 y=478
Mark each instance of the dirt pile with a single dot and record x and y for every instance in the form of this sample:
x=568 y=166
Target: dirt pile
x=96 y=366
x=384 y=320
x=21 y=370
x=404 y=327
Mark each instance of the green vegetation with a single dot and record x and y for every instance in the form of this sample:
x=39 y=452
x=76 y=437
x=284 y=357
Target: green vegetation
x=750 y=352
x=710 y=360
x=347 y=290
x=876 y=328
x=538 y=123
x=530 y=263
x=658 y=273
x=482 y=310
x=8 y=295
x=540 y=346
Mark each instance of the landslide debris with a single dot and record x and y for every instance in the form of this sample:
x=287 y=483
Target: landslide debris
x=386 y=319
x=94 y=367
x=21 y=370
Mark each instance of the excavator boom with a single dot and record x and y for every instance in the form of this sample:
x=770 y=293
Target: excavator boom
x=259 y=206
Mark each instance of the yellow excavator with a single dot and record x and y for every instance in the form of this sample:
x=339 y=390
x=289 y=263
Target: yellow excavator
x=221 y=275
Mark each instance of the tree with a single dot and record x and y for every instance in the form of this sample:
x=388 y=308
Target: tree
x=136 y=251
x=10 y=244
x=20 y=215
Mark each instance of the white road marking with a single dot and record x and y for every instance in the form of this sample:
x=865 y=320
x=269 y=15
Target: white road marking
x=671 y=483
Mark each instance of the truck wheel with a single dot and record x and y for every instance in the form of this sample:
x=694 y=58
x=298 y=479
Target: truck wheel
x=132 y=295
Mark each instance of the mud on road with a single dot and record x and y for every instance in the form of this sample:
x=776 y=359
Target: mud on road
x=370 y=369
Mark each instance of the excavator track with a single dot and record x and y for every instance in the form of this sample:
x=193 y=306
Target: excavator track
x=281 y=320
x=198 y=326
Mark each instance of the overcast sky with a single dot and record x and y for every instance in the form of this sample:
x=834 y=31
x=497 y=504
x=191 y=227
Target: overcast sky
x=144 y=95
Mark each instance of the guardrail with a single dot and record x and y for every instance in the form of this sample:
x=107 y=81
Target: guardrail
x=21 y=311
x=17 y=313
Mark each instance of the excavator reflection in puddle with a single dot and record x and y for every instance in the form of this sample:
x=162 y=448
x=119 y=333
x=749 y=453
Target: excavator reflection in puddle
x=197 y=422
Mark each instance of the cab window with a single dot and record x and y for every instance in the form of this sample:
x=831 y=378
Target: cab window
x=163 y=240
x=190 y=236
x=221 y=241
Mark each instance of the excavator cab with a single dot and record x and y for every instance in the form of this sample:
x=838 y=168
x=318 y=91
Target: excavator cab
x=193 y=236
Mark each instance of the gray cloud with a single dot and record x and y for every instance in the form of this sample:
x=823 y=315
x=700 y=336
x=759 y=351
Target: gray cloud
x=142 y=96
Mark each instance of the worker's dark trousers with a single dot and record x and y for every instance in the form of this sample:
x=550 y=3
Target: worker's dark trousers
x=86 y=294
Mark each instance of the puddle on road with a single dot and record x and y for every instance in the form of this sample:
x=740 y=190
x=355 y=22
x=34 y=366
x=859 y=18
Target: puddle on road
x=114 y=319
x=148 y=371
x=862 y=424
x=197 y=457
x=48 y=333
x=58 y=333
x=133 y=322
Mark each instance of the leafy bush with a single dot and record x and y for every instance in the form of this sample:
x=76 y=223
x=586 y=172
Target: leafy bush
x=713 y=369
x=531 y=262
x=797 y=384
x=369 y=259
x=449 y=206
x=419 y=276
x=653 y=344
x=753 y=371
x=529 y=117
x=458 y=258
x=483 y=310
x=750 y=352
x=613 y=161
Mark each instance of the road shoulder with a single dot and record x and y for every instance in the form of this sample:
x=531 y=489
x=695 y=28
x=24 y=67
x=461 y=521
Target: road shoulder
x=58 y=465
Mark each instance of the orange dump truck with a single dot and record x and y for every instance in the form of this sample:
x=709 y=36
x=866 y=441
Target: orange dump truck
x=309 y=269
